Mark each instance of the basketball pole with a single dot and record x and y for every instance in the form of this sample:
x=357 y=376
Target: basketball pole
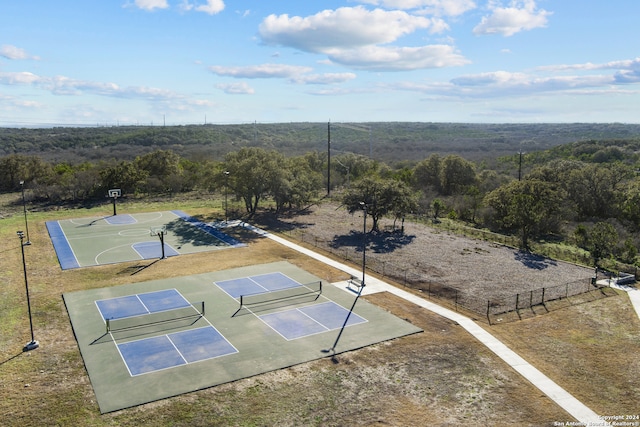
x=161 y=234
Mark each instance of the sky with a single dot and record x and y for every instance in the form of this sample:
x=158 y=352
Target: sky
x=175 y=62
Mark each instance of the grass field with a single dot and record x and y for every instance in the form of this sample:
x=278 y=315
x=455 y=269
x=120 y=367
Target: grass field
x=439 y=377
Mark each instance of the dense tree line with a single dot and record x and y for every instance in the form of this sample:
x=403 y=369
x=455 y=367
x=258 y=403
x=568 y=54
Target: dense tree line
x=588 y=195
x=389 y=142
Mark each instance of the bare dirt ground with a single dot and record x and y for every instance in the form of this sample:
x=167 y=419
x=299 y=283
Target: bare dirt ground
x=441 y=377
x=471 y=271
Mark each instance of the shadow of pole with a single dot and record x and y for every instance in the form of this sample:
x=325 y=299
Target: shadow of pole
x=10 y=358
x=332 y=350
x=144 y=267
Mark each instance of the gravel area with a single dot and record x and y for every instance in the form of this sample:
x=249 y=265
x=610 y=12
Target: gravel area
x=470 y=271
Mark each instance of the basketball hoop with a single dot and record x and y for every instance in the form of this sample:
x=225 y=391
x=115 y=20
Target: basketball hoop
x=160 y=232
x=114 y=193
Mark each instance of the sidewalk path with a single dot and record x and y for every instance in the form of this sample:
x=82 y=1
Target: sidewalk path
x=633 y=292
x=573 y=406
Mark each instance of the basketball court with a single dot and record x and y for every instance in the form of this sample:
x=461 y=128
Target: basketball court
x=92 y=241
x=152 y=340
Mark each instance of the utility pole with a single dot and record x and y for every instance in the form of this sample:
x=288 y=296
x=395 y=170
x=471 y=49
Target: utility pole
x=328 y=158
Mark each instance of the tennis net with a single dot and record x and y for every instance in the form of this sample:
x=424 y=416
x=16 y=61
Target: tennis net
x=313 y=288
x=195 y=309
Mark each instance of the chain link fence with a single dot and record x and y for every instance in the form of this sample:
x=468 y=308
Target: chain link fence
x=502 y=308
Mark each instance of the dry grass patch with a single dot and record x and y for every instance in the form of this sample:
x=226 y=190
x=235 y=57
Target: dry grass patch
x=439 y=377
x=590 y=349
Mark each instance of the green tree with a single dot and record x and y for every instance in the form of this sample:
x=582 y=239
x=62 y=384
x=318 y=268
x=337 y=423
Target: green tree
x=163 y=169
x=597 y=190
x=253 y=173
x=530 y=206
x=437 y=205
x=602 y=241
x=456 y=175
x=382 y=197
x=125 y=176
x=426 y=174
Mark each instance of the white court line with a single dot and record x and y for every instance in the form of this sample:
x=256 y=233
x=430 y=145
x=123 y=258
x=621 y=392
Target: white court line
x=564 y=399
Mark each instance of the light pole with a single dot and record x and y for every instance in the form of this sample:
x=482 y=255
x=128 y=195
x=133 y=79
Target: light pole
x=226 y=190
x=24 y=208
x=364 y=241
x=362 y=285
x=33 y=344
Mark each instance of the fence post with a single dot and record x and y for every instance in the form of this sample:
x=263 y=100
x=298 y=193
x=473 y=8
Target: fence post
x=517 y=301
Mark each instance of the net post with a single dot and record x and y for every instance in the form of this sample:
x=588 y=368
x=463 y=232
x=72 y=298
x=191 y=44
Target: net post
x=202 y=308
x=108 y=326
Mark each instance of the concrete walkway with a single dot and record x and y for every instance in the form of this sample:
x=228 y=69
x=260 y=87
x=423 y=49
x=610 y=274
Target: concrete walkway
x=573 y=406
x=633 y=292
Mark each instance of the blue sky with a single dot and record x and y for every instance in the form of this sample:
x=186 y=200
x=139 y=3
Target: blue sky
x=78 y=62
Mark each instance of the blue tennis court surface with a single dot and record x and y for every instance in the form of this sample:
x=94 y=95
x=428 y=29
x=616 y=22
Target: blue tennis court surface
x=148 y=250
x=120 y=219
x=140 y=304
x=176 y=349
x=310 y=320
x=257 y=284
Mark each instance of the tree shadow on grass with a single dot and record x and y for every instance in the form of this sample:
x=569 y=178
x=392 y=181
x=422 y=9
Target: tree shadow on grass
x=380 y=242
x=533 y=261
x=271 y=221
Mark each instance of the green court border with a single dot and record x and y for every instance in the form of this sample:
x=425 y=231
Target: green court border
x=93 y=237
x=260 y=348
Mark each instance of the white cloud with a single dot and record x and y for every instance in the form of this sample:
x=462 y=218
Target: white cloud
x=23 y=77
x=294 y=73
x=151 y=4
x=14 y=53
x=434 y=7
x=502 y=83
x=627 y=64
x=260 y=71
x=521 y=15
x=346 y=27
x=236 y=88
x=381 y=58
x=627 y=71
x=361 y=38
x=62 y=85
x=323 y=79
x=211 y=7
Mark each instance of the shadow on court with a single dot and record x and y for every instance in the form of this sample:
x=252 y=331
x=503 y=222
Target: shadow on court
x=185 y=232
x=135 y=269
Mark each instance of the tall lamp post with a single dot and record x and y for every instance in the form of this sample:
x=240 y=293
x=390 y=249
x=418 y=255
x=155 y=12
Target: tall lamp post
x=226 y=191
x=33 y=344
x=362 y=285
x=24 y=208
x=364 y=241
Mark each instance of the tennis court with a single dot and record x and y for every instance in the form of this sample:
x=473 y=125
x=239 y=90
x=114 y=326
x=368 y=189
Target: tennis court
x=152 y=340
x=95 y=241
